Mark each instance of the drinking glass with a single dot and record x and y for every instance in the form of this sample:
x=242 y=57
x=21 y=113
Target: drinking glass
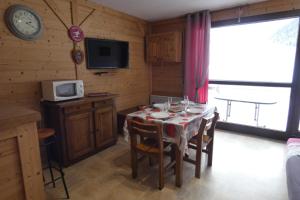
x=186 y=103
x=170 y=101
x=186 y=99
x=166 y=107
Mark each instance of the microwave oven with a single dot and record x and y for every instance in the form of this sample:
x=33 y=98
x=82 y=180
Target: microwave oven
x=62 y=90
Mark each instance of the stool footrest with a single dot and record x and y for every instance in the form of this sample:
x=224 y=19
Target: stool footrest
x=55 y=179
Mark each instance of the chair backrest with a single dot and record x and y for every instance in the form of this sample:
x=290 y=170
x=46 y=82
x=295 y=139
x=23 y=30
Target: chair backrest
x=213 y=123
x=208 y=124
x=144 y=130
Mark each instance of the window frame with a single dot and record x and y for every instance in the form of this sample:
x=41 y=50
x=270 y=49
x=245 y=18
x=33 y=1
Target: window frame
x=294 y=105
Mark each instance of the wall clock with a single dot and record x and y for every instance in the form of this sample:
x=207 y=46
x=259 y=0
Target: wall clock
x=23 y=22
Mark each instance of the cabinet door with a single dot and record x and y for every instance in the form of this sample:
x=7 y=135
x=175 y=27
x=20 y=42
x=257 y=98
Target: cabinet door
x=154 y=53
x=165 y=47
x=79 y=133
x=104 y=126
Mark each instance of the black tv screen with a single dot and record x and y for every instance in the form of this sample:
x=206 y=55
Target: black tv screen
x=102 y=53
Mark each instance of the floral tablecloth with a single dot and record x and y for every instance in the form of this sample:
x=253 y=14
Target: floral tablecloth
x=178 y=128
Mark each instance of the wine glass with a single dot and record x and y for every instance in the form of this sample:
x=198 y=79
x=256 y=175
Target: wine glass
x=186 y=98
x=186 y=103
x=166 y=106
x=170 y=102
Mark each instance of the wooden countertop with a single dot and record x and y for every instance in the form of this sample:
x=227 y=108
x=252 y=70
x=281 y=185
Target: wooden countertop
x=12 y=116
x=81 y=100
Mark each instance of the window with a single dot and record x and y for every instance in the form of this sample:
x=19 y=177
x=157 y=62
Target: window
x=251 y=72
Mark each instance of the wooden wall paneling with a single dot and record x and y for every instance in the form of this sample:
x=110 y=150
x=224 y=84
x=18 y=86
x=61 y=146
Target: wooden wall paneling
x=30 y=161
x=20 y=164
x=11 y=188
x=24 y=64
x=133 y=83
x=61 y=15
x=74 y=12
x=265 y=7
x=161 y=81
x=167 y=78
x=85 y=12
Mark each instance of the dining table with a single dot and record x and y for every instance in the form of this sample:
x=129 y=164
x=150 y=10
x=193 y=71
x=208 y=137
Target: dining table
x=178 y=127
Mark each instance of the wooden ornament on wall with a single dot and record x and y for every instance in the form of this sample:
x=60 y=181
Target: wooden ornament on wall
x=75 y=33
x=77 y=56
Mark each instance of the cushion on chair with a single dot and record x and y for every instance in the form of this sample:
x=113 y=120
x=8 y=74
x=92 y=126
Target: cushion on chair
x=205 y=140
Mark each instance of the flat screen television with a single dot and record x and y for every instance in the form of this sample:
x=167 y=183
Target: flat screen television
x=101 y=53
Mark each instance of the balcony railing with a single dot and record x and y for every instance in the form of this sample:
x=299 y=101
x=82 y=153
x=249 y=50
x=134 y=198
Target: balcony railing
x=265 y=107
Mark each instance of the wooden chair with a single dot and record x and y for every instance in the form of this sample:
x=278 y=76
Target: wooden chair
x=203 y=142
x=151 y=145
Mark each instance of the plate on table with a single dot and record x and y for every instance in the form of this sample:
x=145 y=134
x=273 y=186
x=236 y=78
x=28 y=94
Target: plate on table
x=190 y=102
x=175 y=109
x=199 y=106
x=160 y=115
x=159 y=105
x=194 y=110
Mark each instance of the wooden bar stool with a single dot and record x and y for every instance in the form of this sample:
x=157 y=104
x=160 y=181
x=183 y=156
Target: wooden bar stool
x=47 y=140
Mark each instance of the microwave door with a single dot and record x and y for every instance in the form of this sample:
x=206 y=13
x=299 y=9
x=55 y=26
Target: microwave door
x=66 y=90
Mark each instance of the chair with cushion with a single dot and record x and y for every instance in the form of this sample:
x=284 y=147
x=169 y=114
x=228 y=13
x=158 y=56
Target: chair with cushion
x=151 y=145
x=203 y=142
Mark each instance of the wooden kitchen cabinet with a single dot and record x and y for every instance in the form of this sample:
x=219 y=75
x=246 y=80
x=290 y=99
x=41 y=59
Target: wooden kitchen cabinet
x=104 y=126
x=84 y=126
x=165 y=47
x=79 y=134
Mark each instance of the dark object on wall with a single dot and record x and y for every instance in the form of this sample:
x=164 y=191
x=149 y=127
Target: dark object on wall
x=77 y=56
x=102 y=53
x=100 y=73
x=23 y=22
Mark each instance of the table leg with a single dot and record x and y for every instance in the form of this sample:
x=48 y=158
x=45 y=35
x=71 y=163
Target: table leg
x=256 y=114
x=228 y=109
x=179 y=162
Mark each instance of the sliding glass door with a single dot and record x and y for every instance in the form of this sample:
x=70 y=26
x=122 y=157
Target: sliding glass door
x=252 y=73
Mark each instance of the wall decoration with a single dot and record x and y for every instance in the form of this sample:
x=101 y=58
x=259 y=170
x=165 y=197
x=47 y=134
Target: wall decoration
x=75 y=33
x=77 y=56
x=23 y=22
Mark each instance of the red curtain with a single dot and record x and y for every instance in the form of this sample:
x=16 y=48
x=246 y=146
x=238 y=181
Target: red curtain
x=197 y=56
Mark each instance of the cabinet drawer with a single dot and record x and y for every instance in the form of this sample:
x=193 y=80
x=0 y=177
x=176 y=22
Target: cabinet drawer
x=103 y=103
x=78 y=108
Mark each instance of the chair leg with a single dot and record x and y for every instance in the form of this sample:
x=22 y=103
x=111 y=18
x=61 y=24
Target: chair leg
x=210 y=153
x=62 y=174
x=161 y=172
x=198 y=161
x=134 y=165
x=50 y=166
x=63 y=180
x=179 y=159
x=173 y=156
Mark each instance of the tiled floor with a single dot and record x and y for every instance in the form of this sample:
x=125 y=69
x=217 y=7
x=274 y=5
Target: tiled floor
x=244 y=168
